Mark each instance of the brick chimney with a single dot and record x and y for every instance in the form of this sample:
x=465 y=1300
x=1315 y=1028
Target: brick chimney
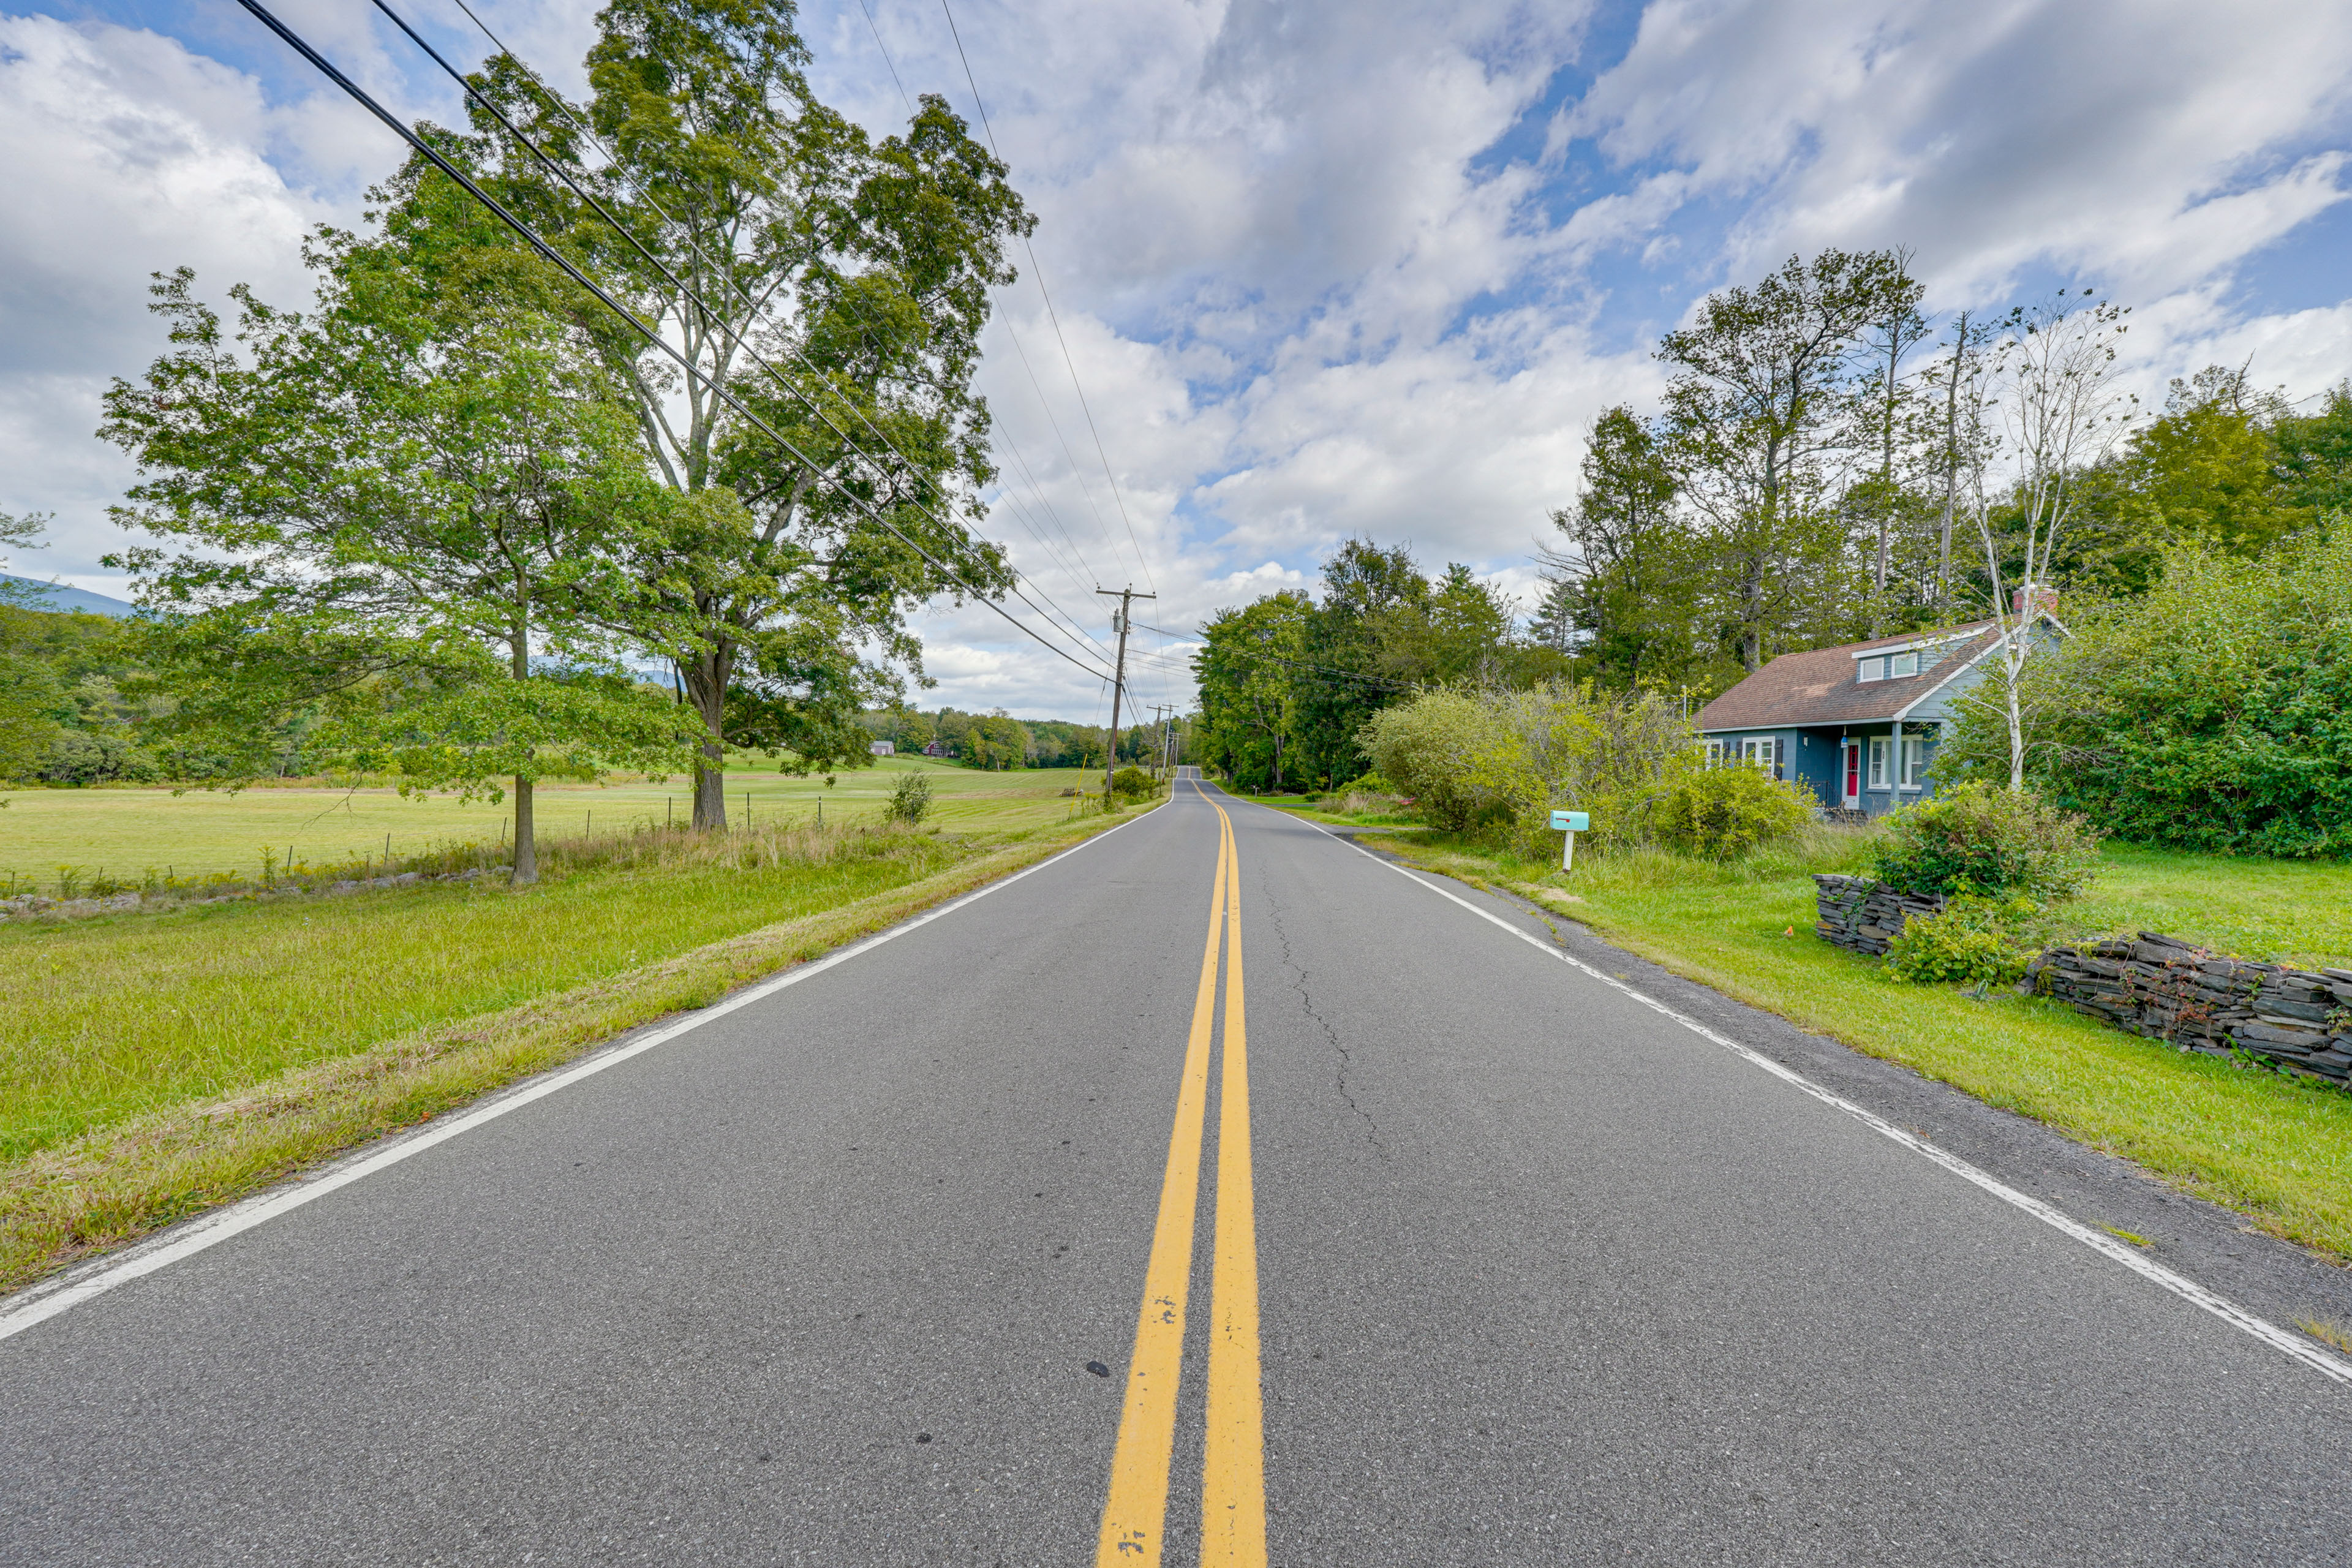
x=2045 y=600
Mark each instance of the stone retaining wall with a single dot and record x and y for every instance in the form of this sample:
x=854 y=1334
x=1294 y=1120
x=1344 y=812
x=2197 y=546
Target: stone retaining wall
x=2296 y=1019
x=1863 y=916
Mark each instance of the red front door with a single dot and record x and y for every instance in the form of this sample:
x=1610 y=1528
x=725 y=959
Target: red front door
x=1853 y=773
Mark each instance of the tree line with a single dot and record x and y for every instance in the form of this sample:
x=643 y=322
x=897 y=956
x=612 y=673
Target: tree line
x=1827 y=464
x=997 y=741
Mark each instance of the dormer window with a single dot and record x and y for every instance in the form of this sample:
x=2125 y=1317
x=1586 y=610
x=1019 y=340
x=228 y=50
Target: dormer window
x=1870 y=669
x=1902 y=664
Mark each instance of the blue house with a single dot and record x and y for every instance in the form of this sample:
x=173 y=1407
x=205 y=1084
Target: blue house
x=1857 y=725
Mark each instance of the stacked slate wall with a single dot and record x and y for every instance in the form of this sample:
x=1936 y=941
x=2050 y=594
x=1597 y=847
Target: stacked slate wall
x=1863 y=916
x=2298 y=1019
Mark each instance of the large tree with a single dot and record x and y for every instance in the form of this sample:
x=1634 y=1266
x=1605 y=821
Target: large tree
x=403 y=515
x=1627 y=581
x=1765 y=414
x=1247 y=671
x=835 y=285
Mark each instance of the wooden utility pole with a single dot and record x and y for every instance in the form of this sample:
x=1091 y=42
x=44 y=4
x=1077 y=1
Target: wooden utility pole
x=1125 y=597
x=1159 y=713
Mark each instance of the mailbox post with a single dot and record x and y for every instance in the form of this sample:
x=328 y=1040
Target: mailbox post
x=1571 y=822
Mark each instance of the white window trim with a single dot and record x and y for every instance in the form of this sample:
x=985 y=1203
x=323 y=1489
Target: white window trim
x=1914 y=763
x=1874 y=773
x=1870 y=668
x=1901 y=665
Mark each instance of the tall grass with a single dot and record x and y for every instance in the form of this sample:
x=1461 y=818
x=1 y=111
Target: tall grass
x=105 y=1019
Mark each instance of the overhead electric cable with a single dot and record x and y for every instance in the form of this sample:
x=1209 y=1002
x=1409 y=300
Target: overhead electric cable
x=709 y=316
x=465 y=182
x=1038 y=272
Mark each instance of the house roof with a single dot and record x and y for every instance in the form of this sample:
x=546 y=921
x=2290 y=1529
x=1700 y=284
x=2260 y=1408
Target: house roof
x=1817 y=686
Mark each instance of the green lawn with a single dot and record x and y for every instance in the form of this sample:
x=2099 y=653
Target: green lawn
x=154 y=1063
x=2274 y=1148
x=126 y=832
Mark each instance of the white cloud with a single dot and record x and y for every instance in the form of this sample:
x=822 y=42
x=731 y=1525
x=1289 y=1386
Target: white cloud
x=1304 y=299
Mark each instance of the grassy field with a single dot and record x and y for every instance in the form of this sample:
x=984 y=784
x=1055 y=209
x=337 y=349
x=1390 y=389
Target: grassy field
x=2277 y=1149
x=154 y=1063
x=127 y=832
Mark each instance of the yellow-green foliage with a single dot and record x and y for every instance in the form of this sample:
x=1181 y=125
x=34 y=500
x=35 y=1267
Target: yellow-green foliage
x=1508 y=758
x=1445 y=750
x=1723 y=813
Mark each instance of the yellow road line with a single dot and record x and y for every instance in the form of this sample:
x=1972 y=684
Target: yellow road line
x=1232 y=1474
x=1135 y=1516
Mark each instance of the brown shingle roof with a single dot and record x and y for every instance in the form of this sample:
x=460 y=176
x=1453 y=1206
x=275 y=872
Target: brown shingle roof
x=1817 y=686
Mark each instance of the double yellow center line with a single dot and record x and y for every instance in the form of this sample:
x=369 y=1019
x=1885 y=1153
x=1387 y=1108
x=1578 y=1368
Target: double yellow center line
x=1233 y=1475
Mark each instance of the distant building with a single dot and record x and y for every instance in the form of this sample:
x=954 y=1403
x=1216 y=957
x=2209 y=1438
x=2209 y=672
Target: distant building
x=883 y=749
x=1858 y=725
x=936 y=749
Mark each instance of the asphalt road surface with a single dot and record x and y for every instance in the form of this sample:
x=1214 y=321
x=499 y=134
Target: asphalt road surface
x=1029 y=1237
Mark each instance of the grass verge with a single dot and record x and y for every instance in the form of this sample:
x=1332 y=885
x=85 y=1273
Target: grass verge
x=2276 y=1150
x=123 y=1175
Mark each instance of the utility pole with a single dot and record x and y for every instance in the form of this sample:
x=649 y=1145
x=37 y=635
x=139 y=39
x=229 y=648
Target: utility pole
x=1159 y=712
x=1125 y=597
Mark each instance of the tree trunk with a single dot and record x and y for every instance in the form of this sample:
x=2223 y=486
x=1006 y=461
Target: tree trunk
x=526 y=843
x=706 y=687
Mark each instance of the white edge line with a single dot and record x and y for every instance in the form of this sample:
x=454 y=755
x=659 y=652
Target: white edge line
x=195 y=1235
x=2111 y=1247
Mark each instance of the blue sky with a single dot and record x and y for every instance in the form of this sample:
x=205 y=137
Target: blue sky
x=1322 y=268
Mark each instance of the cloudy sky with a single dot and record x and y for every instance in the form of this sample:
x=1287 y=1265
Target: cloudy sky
x=1320 y=269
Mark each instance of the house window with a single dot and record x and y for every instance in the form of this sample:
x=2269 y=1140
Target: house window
x=1870 y=669
x=1915 y=762
x=1715 y=753
x=1879 y=745
x=1764 y=753
x=1902 y=664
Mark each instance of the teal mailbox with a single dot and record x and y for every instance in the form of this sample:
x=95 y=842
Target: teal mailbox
x=1571 y=822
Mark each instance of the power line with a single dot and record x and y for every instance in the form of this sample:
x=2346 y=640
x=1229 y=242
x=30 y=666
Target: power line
x=328 y=68
x=1038 y=272
x=1276 y=658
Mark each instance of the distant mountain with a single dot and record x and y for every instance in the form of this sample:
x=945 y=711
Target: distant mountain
x=58 y=596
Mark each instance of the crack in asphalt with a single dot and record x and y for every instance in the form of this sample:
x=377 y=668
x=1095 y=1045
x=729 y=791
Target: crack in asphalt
x=1306 y=1003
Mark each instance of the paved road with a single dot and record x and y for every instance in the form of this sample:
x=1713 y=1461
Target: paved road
x=856 y=1274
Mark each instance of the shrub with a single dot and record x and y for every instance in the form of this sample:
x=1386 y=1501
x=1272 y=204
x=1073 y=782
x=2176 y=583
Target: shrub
x=1975 y=939
x=1439 y=748
x=910 y=799
x=1134 y=782
x=1724 y=813
x=2212 y=713
x=1983 y=839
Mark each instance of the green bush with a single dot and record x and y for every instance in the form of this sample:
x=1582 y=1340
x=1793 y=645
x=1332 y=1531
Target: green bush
x=2212 y=713
x=1134 y=782
x=1983 y=839
x=910 y=799
x=1724 y=813
x=1439 y=749
x=1975 y=939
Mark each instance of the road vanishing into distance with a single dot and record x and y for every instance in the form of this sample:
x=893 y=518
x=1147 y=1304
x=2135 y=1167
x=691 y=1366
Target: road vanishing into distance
x=1214 y=1192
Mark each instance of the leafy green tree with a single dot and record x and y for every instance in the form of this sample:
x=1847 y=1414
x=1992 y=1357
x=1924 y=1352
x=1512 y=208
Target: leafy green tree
x=1346 y=672
x=1627 y=582
x=1247 y=673
x=400 y=517
x=860 y=272
x=2315 y=454
x=1762 y=413
x=2213 y=712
